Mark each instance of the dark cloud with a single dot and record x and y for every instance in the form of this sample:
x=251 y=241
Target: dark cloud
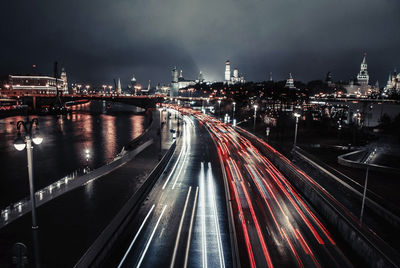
x=100 y=40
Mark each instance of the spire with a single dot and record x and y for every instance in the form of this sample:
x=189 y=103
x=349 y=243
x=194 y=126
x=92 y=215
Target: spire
x=365 y=58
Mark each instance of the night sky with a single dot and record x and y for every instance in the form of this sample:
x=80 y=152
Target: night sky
x=99 y=40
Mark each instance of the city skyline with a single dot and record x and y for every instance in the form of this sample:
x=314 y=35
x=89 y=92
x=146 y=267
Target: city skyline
x=307 y=39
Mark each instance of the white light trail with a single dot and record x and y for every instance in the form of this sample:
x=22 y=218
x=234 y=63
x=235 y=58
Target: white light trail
x=211 y=192
x=151 y=238
x=190 y=229
x=203 y=217
x=187 y=141
x=180 y=229
x=136 y=236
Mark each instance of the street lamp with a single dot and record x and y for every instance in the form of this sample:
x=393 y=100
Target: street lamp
x=255 y=118
x=233 y=111
x=297 y=115
x=20 y=143
x=104 y=89
x=219 y=109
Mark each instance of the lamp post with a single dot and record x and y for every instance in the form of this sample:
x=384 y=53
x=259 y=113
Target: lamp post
x=233 y=111
x=20 y=143
x=297 y=115
x=219 y=109
x=255 y=118
x=366 y=163
x=104 y=89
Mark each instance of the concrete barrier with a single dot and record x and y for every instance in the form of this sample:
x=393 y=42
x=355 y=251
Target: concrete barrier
x=96 y=253
x=370 y=248
x=352 y=160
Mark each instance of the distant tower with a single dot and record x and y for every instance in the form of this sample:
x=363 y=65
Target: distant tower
x=173 y=90
x=149 y=86
x=363 y=77
x=201 y=77
x=174 y=73
x=181 y=75
x=119 y=89
x=328 y=78
x=63 y=77
x=227 y=71
x=236 y=73
x=133 y=80
x=270 y=77
x=290 y=82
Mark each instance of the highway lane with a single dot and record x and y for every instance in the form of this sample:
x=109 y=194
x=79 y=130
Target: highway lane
x=183 y=222
x=275 y=225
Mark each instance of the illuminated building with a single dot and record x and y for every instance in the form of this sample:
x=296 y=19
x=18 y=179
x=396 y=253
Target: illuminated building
x=236 y=78
x=63 y=78
x=393 y=83
x=36 y=84
x=179 y=82
x=361 y=87
x=362 y=76
x=290 y=82
x=119 y=89
x=227 y=72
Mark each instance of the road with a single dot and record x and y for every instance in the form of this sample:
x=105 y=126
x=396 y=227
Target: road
x=183 y=221
x=275 y=226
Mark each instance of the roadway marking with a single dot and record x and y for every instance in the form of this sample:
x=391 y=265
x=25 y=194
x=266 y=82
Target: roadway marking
x=180 y=229
x=151 y=238
x=216 y=222
x=136 y=236
x=190 y=228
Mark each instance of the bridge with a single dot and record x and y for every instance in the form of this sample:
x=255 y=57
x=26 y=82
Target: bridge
x=144 y=101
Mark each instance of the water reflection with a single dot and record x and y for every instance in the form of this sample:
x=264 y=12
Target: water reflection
x=63 y=150
x=109 y=137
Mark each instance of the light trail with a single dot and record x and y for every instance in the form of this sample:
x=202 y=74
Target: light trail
x=216 y=221
x=203 y=217
x=174 y=167
x=180 y=229
x=190 y=229
x=151 y=238
x=187 y=141
x=241 y=217
x=136 y=236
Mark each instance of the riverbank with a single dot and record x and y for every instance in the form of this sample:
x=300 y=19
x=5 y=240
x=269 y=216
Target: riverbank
x=67 y=139
x=69 y=224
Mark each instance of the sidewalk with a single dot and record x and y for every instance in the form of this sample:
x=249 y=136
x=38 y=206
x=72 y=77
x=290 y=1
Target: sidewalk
x=69 y=224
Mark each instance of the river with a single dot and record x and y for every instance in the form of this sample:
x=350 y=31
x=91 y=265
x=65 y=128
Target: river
x=93 y=127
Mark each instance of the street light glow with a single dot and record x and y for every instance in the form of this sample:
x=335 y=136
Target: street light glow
x=296 y=114
x=37 y=139
x=19 y=143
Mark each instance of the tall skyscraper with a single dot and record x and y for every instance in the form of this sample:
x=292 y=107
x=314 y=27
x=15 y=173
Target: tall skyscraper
x=227 y=71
